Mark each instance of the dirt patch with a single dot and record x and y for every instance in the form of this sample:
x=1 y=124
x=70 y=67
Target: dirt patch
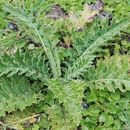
x=56 y=12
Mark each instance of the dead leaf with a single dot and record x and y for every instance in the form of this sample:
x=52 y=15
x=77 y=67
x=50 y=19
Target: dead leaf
x=56 y=12
x=67 y=40
x=18 y=127
x=86 y=16
x=12 y=49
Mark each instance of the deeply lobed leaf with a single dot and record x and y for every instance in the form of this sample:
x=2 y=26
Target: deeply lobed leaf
x=92 y=44
x=16 y=93
x=70 y=95
x=23 y=63
x=111 y=73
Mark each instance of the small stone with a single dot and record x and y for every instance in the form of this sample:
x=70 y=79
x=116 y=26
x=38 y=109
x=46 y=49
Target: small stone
x=104 y=14
x=84 y=105
x=12 y=25
x=31 y=46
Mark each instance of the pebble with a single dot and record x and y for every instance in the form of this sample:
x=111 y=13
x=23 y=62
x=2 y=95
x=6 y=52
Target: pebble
x=12 y=25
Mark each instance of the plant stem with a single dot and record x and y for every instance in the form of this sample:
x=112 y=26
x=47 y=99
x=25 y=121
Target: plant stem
x=20 y=121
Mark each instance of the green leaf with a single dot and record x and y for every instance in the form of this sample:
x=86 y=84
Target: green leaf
x=102 y=118
x=23 y=63
x=92 y=97
x=105 y=75
x=70 y=94
x=100 y=38
x=59 y=119
x=80 y=66
x=35 y=127
x=16 y=93
x=106 y=36
x=20 y=14
x=109 y=120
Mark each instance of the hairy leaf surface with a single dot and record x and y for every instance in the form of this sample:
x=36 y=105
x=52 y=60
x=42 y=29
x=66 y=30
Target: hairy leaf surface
x=70 y=95
x=23 y=63
x=93 y=43
x=16 y=93
x=111 y=73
